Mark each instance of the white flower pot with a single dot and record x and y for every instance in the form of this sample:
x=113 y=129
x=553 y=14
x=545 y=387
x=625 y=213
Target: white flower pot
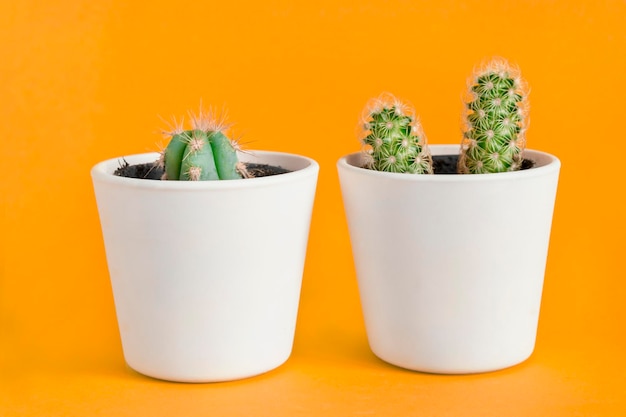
x=206 y=275
x=450 y=267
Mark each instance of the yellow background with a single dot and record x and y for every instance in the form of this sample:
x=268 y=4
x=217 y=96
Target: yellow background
x=82 y=81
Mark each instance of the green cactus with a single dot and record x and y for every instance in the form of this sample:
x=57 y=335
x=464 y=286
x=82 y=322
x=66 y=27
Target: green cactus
x=393 y=138
x=202 y=153
x=495 y=120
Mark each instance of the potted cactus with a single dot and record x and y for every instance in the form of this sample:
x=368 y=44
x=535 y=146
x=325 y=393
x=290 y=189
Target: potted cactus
x=205 y=252
x=450 y=241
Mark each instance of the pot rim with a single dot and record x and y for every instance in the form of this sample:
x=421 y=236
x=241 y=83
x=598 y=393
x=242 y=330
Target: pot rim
x=545 y=164
x=300 y=165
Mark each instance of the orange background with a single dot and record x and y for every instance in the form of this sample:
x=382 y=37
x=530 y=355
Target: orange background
x=83 y=81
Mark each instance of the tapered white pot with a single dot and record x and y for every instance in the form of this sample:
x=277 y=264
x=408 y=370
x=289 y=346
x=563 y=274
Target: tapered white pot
x=450 y=267
x=206 y=275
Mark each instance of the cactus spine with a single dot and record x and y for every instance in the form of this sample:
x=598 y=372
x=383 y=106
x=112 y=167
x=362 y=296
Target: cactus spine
x=393 y=138
x=495 y=120
x=202 y=153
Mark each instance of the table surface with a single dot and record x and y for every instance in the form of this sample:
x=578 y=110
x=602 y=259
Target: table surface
x=337 y=376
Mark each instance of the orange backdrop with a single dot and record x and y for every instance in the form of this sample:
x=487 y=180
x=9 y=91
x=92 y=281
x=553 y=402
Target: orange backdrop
x=82 y=81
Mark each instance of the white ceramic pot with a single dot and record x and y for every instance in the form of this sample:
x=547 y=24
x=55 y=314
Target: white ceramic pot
x=206 y=276
x=450 y=267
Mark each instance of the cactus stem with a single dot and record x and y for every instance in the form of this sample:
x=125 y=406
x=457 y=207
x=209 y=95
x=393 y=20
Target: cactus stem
x=202 y=153
x=495 y=119
x=392 y=137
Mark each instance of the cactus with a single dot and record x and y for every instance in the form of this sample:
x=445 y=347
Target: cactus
x=202 y=153
x=393 y=139
x=495 y=120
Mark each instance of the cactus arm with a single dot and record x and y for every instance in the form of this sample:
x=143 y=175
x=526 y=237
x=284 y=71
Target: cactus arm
x=225 y=156
x=173 y=155
x=393 y=138
x=495 y=120
x=197 y=162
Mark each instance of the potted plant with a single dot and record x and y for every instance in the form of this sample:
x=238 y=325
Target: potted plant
x=205 y=251
x=450 y=241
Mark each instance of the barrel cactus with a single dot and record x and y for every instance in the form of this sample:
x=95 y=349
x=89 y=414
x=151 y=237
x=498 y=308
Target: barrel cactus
x=201 y=153
x=495 y=120
x=393 y=138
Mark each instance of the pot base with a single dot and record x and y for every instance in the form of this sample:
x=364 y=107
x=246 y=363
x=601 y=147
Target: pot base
x=193 y=376
x=453 y=366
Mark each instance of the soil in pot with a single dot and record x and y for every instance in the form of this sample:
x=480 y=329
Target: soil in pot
x=446 y=164
x=151 y=171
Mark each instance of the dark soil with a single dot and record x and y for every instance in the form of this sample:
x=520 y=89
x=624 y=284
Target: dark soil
x=264 y=170
x=446 y=164
x=145 y=171
x=150 y=171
